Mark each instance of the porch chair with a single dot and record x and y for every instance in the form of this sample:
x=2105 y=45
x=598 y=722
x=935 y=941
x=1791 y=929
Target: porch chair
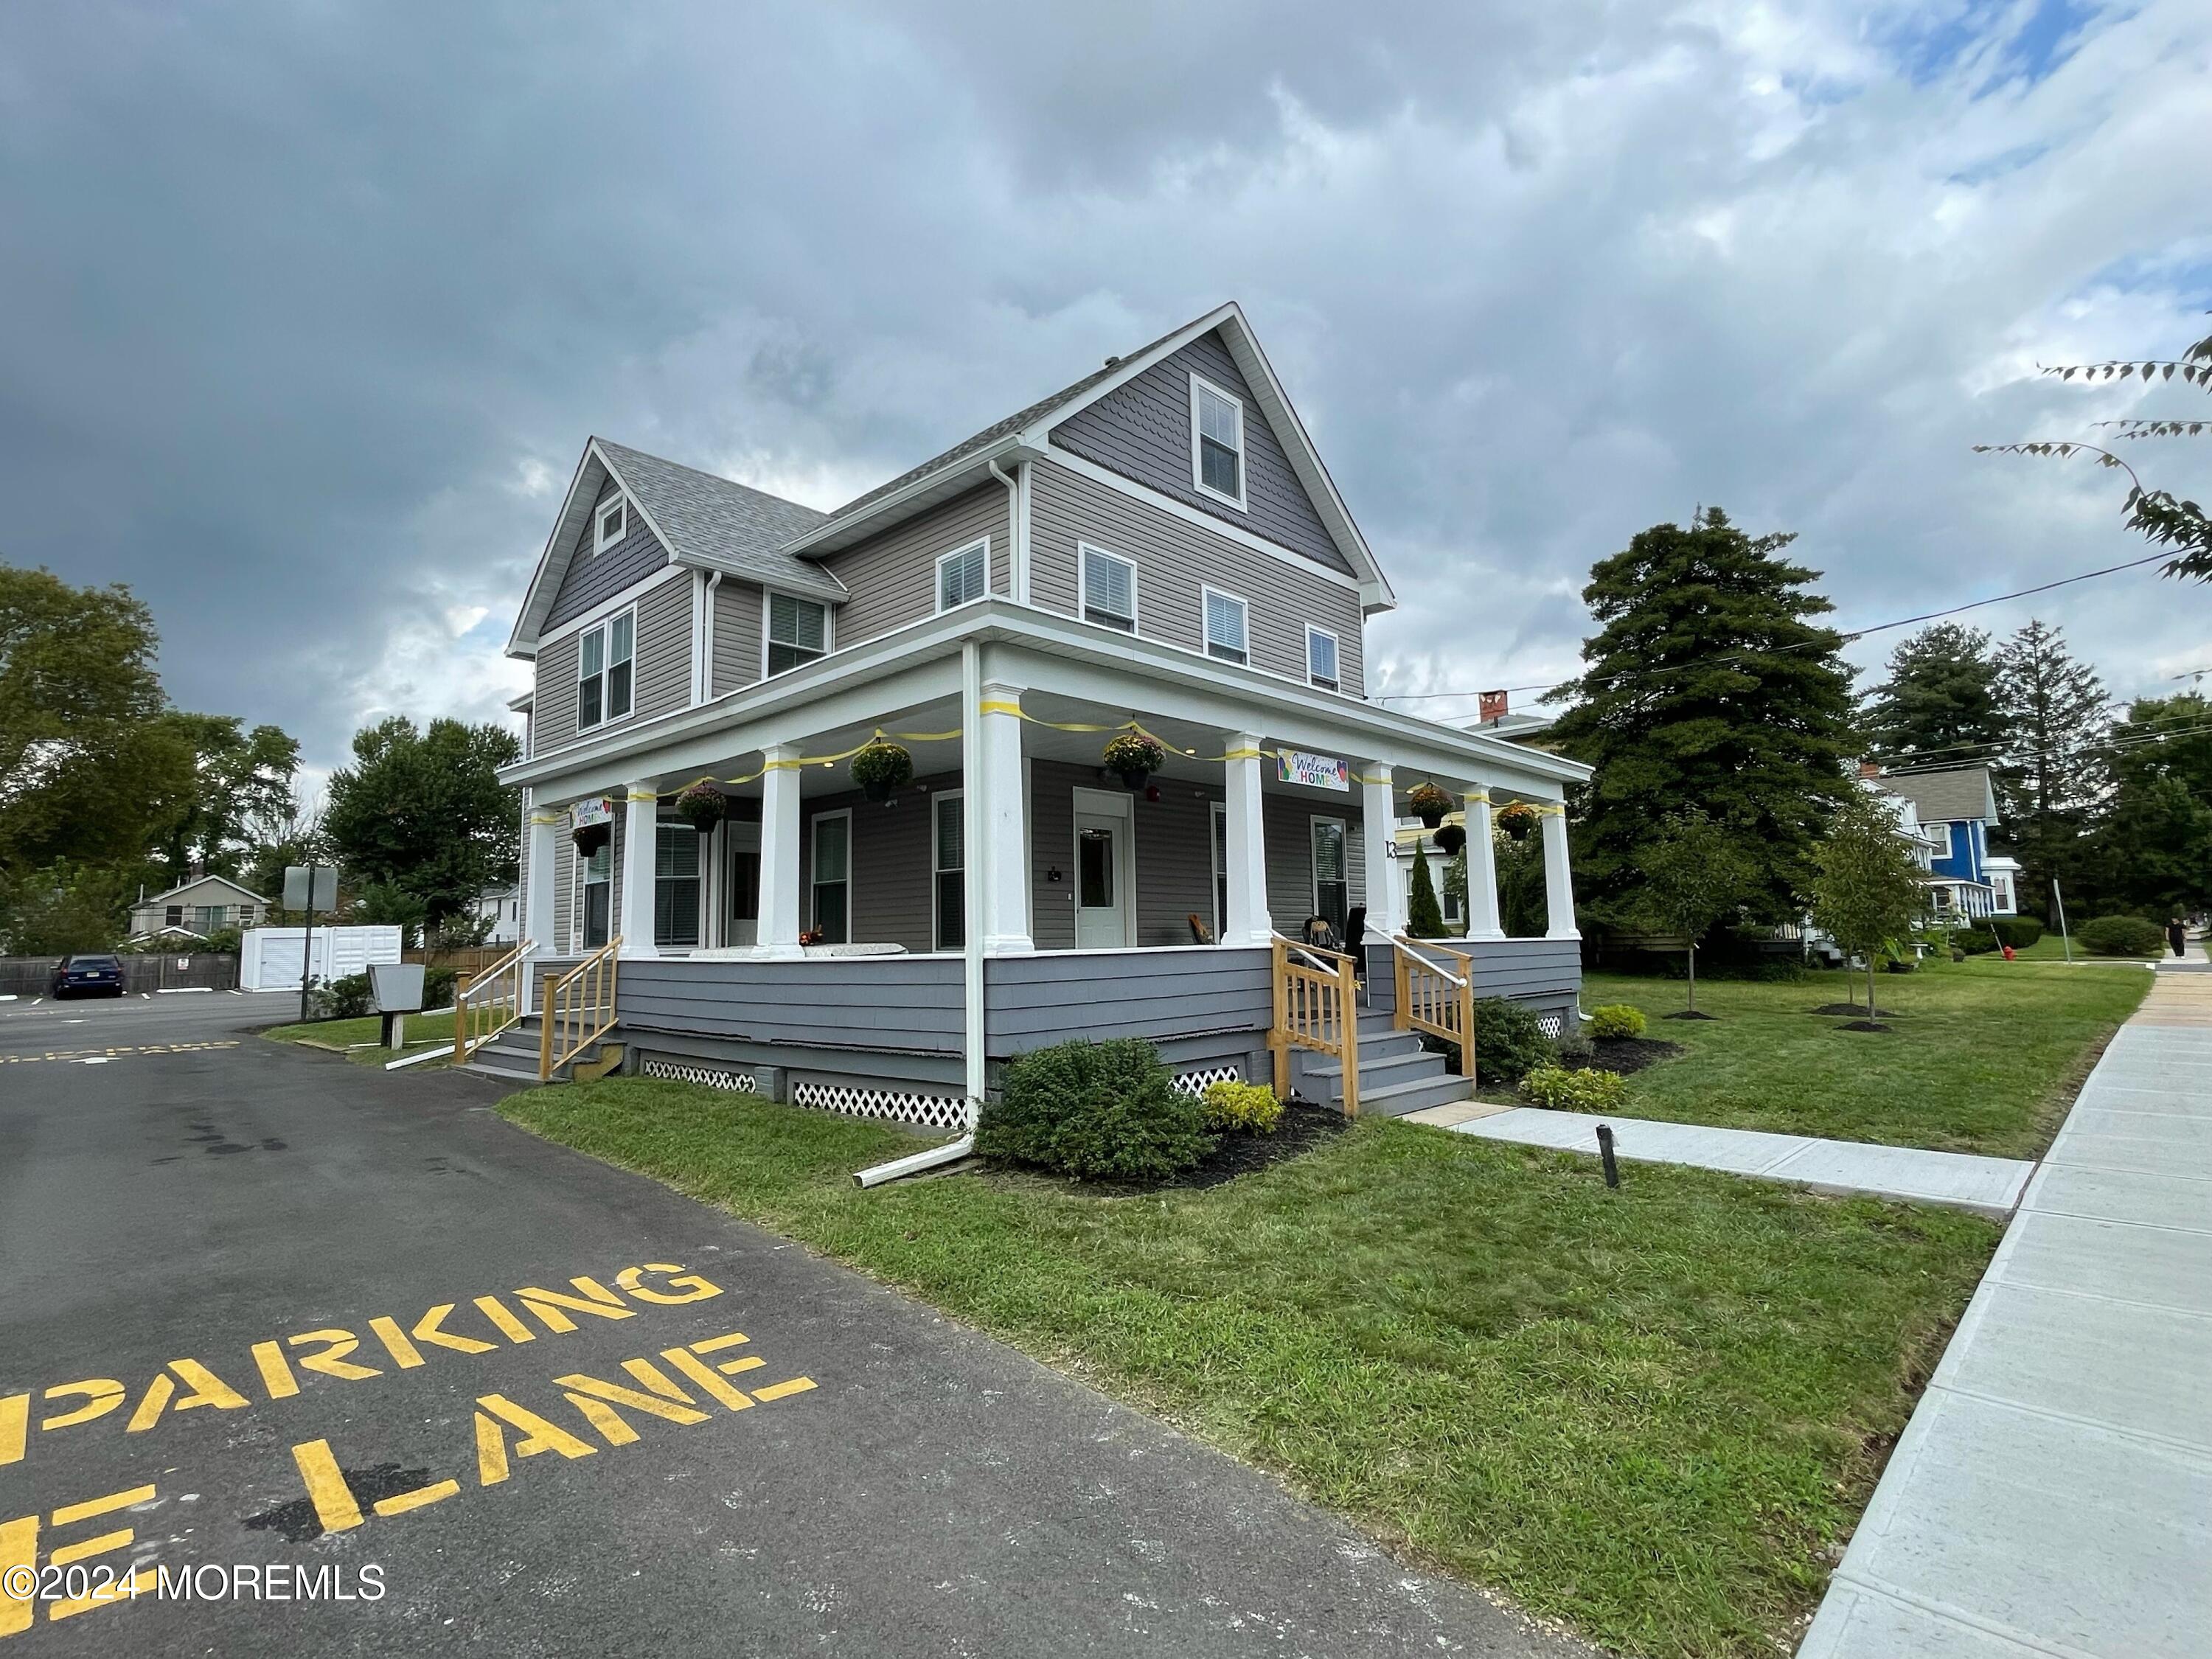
x=1355 y=942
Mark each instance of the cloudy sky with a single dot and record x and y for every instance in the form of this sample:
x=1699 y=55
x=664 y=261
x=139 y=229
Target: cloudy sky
x=306 y=310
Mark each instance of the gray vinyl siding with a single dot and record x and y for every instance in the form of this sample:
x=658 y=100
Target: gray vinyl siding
x=660 y=678
x=739 y=611
x=1288 y=830
x=1173 y=856
x=1052 y=850
x=911 y=1003
x=893 y=577
x=1142 y=431
x=567 y=869
x=1031 y=1001
x=891 y=901
x=593 y=577
x=1175 y=559
x=553 y=703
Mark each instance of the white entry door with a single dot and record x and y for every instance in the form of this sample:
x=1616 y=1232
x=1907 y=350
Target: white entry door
x=1104 y=905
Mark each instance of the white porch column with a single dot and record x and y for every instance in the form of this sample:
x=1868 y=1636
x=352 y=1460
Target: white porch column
x=777 y=935
x=1481 y=869
x=1379 y=815
x=997 y=859
x=1248 y=922
x=538 y=891
x=1559 y=881
x=641 y=842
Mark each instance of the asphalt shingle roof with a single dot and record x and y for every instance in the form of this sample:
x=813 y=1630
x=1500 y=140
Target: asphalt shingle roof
x=1956 y=793
x=715 y=519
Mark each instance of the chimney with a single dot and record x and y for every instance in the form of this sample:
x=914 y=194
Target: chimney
x=1869 y=769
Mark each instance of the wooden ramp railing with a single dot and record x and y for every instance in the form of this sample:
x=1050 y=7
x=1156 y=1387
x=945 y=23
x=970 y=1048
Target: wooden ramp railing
x=1433 y=999
x=486 y=1004
x=578 y=1009
x=1317 y=1007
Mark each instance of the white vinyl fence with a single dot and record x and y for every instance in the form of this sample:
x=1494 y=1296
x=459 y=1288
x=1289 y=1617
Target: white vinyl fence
x=269 y=958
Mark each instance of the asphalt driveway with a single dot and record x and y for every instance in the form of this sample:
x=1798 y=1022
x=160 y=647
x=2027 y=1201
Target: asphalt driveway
x=366 y=1370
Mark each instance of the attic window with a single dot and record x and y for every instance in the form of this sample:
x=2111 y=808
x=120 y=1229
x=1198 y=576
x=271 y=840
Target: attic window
x=614 y=524
x=1217 y=443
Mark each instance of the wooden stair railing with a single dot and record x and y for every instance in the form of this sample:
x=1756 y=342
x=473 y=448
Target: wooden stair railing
x=486 y=1004
x=1433 y=999
x=1317 y=1007
x=578 y=1010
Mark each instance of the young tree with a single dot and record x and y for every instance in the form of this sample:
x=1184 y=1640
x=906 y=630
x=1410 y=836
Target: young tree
x=1866 y=890
x=1424 y=919
x=425 y=812
x=2054 y=771
x=1940 y=703
x=1694 y=875
x=1708 y=684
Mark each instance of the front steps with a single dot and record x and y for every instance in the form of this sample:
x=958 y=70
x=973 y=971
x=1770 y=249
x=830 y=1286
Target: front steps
x=1397 y=1075
x=513 y=1054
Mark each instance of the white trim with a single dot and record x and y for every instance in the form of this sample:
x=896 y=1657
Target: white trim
x=1944 y=824
x=1314 y=821
x=607 y=716
x=828 y=630
x=608 y=606
x=600 y=509
x=1217 y=842
x=1200 y=383
x=1104 y=803
x=1206 y=591
x=1204 y=520
x=936 y=851
x=698 y=637
x=1336 y=651
x=1083 y=550
x=982 y=544
x=1018 y=533
x=814 y=867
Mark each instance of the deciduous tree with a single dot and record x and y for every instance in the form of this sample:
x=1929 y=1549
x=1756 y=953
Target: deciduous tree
x=1695 y=876
x=424 y=812
x=1866 y=890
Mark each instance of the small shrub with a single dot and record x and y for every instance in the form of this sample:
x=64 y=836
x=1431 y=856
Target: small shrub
x=438 y=987
x=1616 y=1021
x=1250 y=1106
x=1508 y=1042
x=1974 y=941
x=1098 y=1111
x=1574 y=1091
x=2019 y=932
x=2122 y=936
x=343 y=999
x=1573 y=1043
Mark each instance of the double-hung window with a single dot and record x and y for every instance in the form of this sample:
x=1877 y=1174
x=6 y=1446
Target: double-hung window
x=604 y=669
x=1226 y=627
x=613 y=524
x=598 y=896
x=1332 y=888
x=963 y=575
x=675 y=885
x=948 y=866
x=1321 y=657
x=1110 y=590
x=833 y=876
x=797 y=631
x=1217 y=443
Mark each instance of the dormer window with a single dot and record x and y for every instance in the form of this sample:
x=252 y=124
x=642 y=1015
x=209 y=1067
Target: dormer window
x=1217 y=443
x=614 y=524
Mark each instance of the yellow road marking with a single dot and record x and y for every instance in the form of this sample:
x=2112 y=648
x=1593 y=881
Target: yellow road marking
x=716 y=1344
x=15 y=1419
x=778 y=1390
x=421 y=1498
x=275 y=1372
x=697 y=1368
x=333 y=1499
x=69 y=1513
x=509 y=1327
x=752 y=1362
x=19 y=1548
x=102 y=1395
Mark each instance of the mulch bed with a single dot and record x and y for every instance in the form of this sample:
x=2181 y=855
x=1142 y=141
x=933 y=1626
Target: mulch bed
x=1687 y=1014
x=1852 y=1008
x=1622 y=1054
x=1864 y=1025
x=1236 y=1153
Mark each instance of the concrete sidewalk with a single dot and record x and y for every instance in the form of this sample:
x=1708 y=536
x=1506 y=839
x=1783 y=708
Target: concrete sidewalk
x=1992 y=1186
x=2053 y=1494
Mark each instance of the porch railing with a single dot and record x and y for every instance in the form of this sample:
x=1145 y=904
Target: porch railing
x=1433 y=999
x=1317 y=1007
x=578 y=1009
x=486 y=1004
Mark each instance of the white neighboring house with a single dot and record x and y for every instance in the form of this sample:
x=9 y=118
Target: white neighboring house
x=502 y=908
x=2004 y=873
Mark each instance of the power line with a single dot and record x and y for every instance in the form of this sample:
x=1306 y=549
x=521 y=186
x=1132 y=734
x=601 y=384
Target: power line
x=1622 y=674
x=2119 y=744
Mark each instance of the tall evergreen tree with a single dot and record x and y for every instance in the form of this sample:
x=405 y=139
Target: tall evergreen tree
x=2054 y=770
x=1708 y=685
x=2151 y=852
x=1939 y=706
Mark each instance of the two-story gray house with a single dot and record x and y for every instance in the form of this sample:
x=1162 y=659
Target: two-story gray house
x=1156 y=547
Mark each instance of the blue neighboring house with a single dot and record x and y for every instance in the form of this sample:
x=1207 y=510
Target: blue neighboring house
x=1957 y=807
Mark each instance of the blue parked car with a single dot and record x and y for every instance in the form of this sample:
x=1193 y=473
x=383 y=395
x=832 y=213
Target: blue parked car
x=87 y=976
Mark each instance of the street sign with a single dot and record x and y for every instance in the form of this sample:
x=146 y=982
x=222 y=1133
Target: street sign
x=311 y=887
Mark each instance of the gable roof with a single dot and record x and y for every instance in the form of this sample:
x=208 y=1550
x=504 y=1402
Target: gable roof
x=1953 y=795
x=200 y=881
x=1023 y=434
x=704 y=520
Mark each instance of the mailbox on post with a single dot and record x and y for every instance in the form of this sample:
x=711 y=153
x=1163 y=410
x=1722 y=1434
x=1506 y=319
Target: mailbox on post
x=396 y=988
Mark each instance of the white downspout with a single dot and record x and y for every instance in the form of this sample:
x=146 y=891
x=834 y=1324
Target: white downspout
x=1017 y=531
x=707 y=651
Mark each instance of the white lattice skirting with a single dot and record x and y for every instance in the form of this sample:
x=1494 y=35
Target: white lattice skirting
x=713 y=1076
x=1552 y=1023
x=1197 y=1082
x=938 y=1111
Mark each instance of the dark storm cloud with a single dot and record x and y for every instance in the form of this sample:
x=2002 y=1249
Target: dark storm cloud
x=309 y=309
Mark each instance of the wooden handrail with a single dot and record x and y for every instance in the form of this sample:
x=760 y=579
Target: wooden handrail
x=486 y=1004
x=1433 y=999
x=578 y=1010
x=1317 y=1007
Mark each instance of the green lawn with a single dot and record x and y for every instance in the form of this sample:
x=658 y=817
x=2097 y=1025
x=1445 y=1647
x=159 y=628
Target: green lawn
x=1653 y=1413
x=1982 y=1057
x=421 y=1029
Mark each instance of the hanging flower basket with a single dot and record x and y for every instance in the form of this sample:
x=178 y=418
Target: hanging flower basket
x=1450 y=839
x=882 y=768
x=1135 y=757
x=1517 y=820
x=704 y=807
x=1430 y=803
x=590 y=837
